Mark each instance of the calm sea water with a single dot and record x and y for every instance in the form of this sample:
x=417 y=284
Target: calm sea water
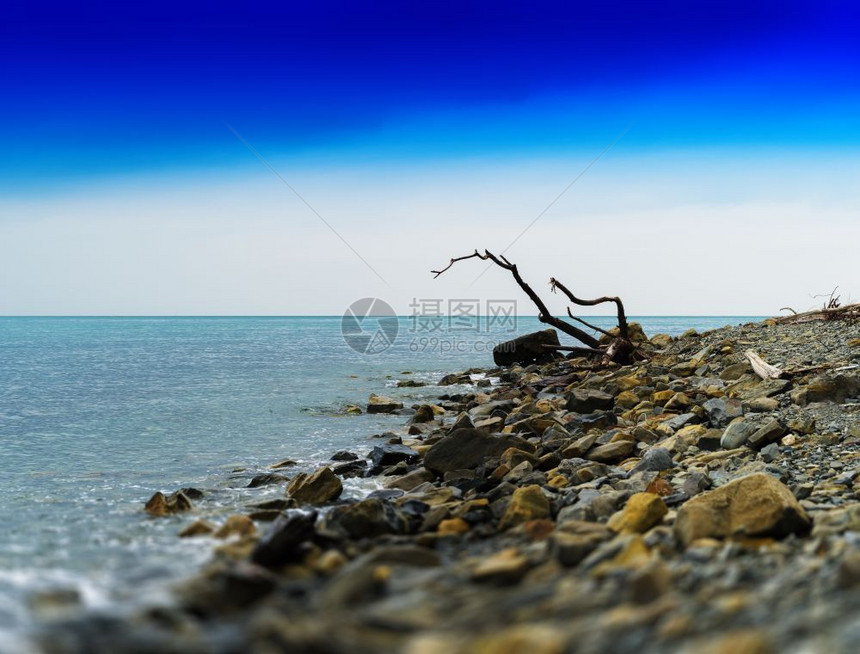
x=96 y=414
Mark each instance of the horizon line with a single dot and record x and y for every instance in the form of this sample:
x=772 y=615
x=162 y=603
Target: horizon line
x=333 y=315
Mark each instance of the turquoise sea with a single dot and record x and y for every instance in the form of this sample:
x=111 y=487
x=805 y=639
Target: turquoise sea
x=96 y=414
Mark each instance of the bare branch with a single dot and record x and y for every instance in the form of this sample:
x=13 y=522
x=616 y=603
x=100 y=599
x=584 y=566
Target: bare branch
x=622 y=318
x=589 y=325
x=436 y=273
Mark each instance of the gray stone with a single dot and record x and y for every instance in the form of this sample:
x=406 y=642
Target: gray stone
x=654 y=460
x=722 y=411
x=737 y=434
x=770 y=452
x=680 y=421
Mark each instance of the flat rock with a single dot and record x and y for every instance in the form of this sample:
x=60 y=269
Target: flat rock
x=507 y=566
x=586 y=400
x=382 y=404
x=768 y=433
x=612 y=452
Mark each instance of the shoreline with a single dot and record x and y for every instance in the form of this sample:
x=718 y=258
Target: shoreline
x=557 y=509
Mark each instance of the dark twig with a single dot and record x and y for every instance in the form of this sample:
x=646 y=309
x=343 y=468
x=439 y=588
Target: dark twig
x=622 y=318
x=589 y=325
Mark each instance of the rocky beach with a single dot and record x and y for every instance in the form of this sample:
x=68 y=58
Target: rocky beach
x=685 y=502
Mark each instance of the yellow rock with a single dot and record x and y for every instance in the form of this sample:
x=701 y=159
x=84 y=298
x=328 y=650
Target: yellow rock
x=505 y=566
x=642 y=511
x=320 y=487
x=527 y=503
x=631 y=381
x=626 y=400
x=238 y=549
x=661 y=340
x=329 y=562
x=660 y=398
x=240 y=525
x=160 y=505
x=752 y=506
x=196 y=528
x=622 y=436
x=520 y=639
x=559 y=481
x=749 y=641
x=677 y=402
x=633 y=555
x=453 y=526
x=512 y=457
x=691 y=434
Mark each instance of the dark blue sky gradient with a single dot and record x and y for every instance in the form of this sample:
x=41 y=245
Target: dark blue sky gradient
x=89 y=91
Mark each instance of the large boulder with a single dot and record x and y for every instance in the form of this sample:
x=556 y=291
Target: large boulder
x=754 y=506
x=464 y=449
x=320 y=487
x=526 y=349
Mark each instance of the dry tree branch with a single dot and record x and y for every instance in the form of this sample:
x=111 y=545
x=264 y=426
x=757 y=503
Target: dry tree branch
x=619 y=350
x=622 y=318
x=587 y=324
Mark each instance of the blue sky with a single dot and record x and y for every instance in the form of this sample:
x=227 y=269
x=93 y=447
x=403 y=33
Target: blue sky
x=109 y=110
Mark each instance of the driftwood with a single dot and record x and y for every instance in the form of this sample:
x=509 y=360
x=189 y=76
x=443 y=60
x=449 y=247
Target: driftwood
x=762 y=368
x=847 y=312
x=619 y=350
x=766 y=371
